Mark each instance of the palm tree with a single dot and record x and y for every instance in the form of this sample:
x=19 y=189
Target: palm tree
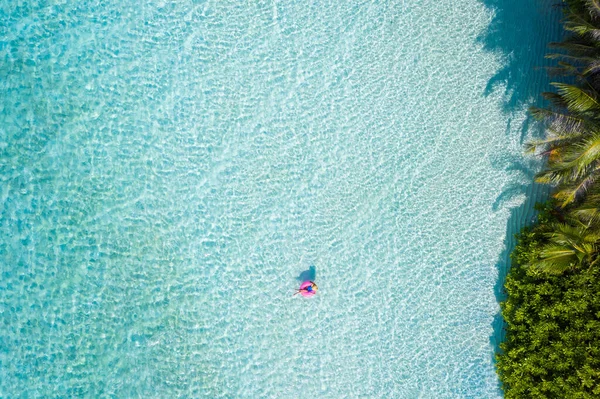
x=582 y=19
x=573 y=164
x=572 y=145
x=576 y=108
x=573 y=111
x=568 y=248
x=587 y=211
x=579 y=57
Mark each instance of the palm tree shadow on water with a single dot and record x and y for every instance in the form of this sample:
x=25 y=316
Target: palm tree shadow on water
x=519 y=31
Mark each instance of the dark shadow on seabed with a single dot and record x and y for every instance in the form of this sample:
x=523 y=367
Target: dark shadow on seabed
x=308 y=275
x=519 y=31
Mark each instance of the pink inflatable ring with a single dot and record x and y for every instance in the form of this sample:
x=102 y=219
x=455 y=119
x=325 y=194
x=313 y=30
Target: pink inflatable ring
x=308 y=288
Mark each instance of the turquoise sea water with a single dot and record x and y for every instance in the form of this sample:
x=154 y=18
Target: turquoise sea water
x=168 y=170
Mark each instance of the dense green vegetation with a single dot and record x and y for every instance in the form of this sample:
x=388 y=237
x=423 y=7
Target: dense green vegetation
x=552 y=346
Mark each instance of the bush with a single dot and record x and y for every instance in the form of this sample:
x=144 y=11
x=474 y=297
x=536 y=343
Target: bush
x=552 y=346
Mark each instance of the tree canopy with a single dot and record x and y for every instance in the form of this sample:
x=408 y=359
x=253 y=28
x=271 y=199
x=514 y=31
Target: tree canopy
x=552 y=311
x=552 y=346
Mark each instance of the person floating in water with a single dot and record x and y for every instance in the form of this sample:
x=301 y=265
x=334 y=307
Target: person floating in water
x=307 y=288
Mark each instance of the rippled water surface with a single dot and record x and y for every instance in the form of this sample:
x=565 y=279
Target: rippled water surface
x=168 y=170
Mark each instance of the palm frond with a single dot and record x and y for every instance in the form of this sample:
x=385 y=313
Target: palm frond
x=580 y=25
x=577 y=46
x=587 y=210
x=578 y=58
x=592 y=67
x=577 y=99
x=556 y=173
x=585 y=153
x=586 y=213
x=570 y=194
x=573 y=236
x=568 y=247
x=555 y=99
x=593 y=7
x=555 y=259
x=553 y=141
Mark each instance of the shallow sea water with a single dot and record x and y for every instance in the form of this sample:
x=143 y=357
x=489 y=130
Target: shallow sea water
x=168 y=169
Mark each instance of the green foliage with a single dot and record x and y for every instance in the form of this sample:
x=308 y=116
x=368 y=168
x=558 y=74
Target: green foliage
x=578 y=100
x=573 y=119
x=552 y=311
x=564 y=247
x=547 y=213
x=531 y=239
x=587 y=211
x=552 y=347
